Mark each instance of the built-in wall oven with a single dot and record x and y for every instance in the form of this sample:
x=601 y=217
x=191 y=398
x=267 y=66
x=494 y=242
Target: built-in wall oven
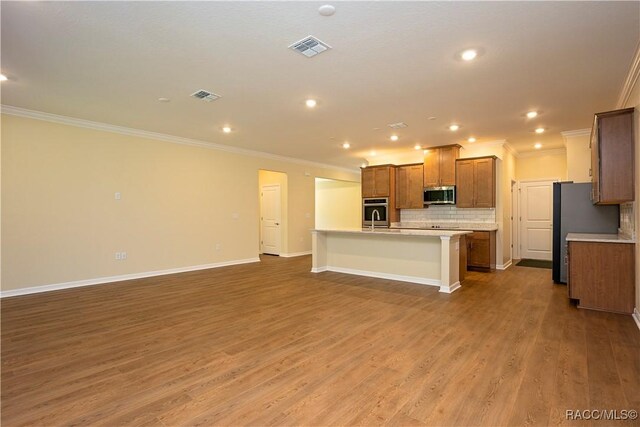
x=375 y=211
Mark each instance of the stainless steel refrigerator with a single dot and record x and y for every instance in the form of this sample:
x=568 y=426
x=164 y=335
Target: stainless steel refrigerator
x=573 y=212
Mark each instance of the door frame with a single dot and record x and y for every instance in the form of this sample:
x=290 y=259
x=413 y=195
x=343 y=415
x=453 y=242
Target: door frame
x=518 y=217
x=280 y=225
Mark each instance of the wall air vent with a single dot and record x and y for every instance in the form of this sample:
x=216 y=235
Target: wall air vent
x=399 y=125
x=310 y=46
x=205 y=95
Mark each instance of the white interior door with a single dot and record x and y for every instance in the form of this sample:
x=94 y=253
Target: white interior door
x=270 y=220
x=536 y=213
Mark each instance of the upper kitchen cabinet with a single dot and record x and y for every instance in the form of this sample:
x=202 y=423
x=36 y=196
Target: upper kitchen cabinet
x=612 y=157
x=440 y=165
x=476 y=182
x=378 y=181
x=409 y=191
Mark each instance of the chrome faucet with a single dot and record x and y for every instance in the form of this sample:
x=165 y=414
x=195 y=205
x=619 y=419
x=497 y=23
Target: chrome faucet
x=373 y=219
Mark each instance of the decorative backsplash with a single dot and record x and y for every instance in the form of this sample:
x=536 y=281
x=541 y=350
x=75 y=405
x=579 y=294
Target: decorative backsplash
x=448 y=214
x=627 y=222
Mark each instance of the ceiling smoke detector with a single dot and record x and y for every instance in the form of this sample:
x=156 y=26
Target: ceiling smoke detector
x=399 y=125
x=205 y=95
x=310 y=46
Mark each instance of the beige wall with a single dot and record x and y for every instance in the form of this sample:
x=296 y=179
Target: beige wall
x=61 y=223
x=272 y=178
x=634 y=101
x=338 y=205
x=542 y=165
x=578 y=158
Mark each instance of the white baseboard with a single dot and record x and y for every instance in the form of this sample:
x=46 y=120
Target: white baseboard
x=378 y=275
x=450 y=289
x=636 y=316
x=505 y=265
x=120 y=278
x=294 y=254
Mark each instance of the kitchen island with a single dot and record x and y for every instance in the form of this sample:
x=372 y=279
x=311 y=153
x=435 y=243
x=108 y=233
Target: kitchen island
x=427 y=257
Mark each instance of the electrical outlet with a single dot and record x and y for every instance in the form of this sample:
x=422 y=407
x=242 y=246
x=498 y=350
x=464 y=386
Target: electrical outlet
x=218 y=246
x=123 y=255
x=118 y=256
x=118 y=196
x=307 y=215
x=235 y=215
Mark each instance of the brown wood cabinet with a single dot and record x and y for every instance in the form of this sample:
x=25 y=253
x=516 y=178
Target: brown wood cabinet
x=476 y=182
x=376 y=181
x=380 y=181
x=481 y=249
x=612 y=166
x=440 y=165
x=602 y=275
x=409 y=191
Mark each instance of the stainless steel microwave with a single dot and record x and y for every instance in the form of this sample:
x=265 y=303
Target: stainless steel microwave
x=440 y=195
x=375 y=211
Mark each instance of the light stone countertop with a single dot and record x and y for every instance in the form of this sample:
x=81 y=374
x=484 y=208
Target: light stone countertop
x=472 y=226
x=599 y=238
x=400 y=232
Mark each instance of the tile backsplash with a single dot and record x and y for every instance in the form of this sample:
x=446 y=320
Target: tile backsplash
x=627 y=223
x=448 y=214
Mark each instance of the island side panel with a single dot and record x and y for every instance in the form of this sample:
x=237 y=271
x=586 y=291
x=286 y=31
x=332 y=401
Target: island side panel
x=405 y=258
x=450 y=274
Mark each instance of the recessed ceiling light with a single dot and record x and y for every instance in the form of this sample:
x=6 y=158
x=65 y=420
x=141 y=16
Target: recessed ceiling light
x=417 y=147
x=454 y=127
x=532 y=114
x=346 y=145
x=3 y=78
x=472 y=139
x=393 y=137
x=469 y=54
x=311 y=103
x=373 y=152
x=226 y=129
x=326 y=10
x=164 y=100
x=537 y=146
x=540 y=130
x=431 y=118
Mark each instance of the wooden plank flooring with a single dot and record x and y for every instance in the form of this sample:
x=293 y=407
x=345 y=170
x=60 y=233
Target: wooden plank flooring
x=272 y=344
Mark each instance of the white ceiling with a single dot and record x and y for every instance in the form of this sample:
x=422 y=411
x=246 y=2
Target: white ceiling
x=391 y=61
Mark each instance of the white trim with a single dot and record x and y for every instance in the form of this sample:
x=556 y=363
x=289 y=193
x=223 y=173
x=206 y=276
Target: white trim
x=636 y=316
x=378 y=275
x=105 y=127
x=578 y=132
x=511 y=149
x=632 y=78
x=450 y=289
x=295 y=254
x=504 y=266
x=120 y=278
x=551 y=151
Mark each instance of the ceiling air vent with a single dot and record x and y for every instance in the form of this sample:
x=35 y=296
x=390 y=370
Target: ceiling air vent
x=205 y=95
x=399 y=125
x=310 y=46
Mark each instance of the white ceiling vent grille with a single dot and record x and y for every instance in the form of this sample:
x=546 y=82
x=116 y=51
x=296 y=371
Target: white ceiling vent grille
x=310 y=46
x=205 y=95
x=399 y=125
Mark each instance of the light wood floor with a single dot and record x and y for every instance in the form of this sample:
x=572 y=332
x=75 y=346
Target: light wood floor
x=272 y=344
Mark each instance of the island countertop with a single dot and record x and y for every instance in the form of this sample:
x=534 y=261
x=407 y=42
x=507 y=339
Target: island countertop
x=400 y=232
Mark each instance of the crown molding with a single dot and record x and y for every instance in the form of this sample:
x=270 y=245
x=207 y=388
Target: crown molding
x=538 y=153
x=105 y=127
x=511 y=149
x=632 y=79
x=578 y=132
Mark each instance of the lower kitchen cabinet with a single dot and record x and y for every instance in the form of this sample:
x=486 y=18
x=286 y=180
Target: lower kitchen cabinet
x=602 y=275
x=481 y=249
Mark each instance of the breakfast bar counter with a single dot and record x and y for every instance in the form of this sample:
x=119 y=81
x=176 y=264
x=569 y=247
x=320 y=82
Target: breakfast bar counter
x=427 y=257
